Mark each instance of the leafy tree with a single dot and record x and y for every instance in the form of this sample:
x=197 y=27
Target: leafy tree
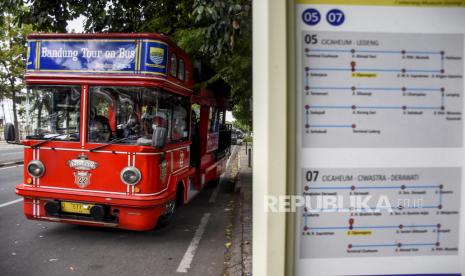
x=12 y=60
x=227 y=27
x=218 y=32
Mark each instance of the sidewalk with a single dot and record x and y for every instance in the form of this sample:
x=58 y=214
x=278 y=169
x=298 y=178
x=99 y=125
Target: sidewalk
x=240 y=261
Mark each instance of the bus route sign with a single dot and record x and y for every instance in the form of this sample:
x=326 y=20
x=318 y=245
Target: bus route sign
x=138 y=56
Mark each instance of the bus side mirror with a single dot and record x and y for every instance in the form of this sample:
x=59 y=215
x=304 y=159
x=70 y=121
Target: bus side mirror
x=9 y=133
x=159 y=137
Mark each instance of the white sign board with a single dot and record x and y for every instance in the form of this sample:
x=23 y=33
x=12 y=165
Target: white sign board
x=380 y=97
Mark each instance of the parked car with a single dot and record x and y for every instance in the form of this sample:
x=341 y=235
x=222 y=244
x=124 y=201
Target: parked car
x=237 y=137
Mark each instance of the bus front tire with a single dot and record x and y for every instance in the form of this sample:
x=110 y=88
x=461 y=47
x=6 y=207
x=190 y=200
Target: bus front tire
x=171 y=207
x=167 y=217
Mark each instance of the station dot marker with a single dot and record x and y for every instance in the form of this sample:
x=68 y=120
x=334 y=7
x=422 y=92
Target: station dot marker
x=403 y=70
x=306 y=50
x=307 y=106
x=403 y=52
x=353 y=88
x=305 y=228
x=352 y=187
x=442 y=89
x=399 y=244
x=403 y=88
x=305 y=209
x=442 y=71
x=439 y=225
x=352 y=51
x=440 y=206
x=349 y=246
x=404 y=107
x=402 y=187
x=306 y=188
x=306 y=69
x=354 y=126
x=307 y=126
x=401 y=226
x=442 y=52
x=441 y=186
x=306 y=87
x=351 y=227
x=354 y=107
x=437 y=244
x=442 y=108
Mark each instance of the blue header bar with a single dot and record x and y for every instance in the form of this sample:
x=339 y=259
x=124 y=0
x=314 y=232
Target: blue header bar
x=124 y=56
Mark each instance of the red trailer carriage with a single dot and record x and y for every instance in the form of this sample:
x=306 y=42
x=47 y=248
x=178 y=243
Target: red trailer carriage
x=116 y=135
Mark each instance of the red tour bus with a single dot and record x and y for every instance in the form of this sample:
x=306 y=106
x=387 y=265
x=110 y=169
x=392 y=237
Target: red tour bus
x=116 y=135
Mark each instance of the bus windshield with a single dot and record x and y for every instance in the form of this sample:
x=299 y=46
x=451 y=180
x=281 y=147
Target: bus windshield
x=53 y=112
x=128 y=115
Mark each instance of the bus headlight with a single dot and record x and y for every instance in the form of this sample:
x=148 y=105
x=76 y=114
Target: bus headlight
x=35 y=168
x=130 y=175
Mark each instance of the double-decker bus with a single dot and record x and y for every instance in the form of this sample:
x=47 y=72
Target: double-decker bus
x=116 y=135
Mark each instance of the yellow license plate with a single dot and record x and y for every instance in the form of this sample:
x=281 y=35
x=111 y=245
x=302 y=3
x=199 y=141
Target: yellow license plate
x=77 y=208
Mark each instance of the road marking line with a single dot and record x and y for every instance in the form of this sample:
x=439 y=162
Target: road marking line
x=186 y=261
x=217 y=189
x=11 y=202
x=4 y=168
x=215 y=193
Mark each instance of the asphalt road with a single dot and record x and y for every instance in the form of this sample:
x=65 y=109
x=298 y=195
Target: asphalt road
x=45 y=248
x=10 y=152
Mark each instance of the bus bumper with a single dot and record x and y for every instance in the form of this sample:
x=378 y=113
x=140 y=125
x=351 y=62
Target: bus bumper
x=130 y=212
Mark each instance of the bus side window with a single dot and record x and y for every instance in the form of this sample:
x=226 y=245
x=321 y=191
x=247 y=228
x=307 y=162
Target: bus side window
x=180 y=124
x=174 y=63
x=181 y=69
x=164 y=115
x=213 y=125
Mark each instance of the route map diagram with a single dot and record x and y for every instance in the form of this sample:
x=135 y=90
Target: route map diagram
x=422 y=218
x=381 y=89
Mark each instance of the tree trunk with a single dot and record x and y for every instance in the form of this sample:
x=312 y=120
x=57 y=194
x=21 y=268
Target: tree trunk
x=15 y=115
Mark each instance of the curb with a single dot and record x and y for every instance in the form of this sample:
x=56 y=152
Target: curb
x=11 y=163
x=239 y=262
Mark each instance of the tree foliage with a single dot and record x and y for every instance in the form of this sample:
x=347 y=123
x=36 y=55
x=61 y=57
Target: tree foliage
x=12 y=56
x=218 y=32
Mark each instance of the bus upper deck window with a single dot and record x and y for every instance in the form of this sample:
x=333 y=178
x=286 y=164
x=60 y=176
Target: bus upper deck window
x=181 y=69
x=174 y=63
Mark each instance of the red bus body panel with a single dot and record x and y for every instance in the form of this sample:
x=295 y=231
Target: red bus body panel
x=163 y=171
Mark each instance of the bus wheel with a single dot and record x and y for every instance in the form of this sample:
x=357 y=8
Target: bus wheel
x=213 y=183
x=170 y=207
x=168 y=215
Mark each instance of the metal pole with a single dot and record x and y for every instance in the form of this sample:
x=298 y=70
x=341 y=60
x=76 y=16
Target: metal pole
x=246 y=144
x=250 y=158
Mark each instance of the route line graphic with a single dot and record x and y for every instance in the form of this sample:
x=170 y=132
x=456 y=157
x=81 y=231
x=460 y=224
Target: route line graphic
x=351 y=226
x=353 y=89
x=438 y=189
x=353 y=68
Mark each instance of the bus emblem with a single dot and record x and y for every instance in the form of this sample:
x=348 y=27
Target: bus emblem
x=157 y=55
x=82 y=167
